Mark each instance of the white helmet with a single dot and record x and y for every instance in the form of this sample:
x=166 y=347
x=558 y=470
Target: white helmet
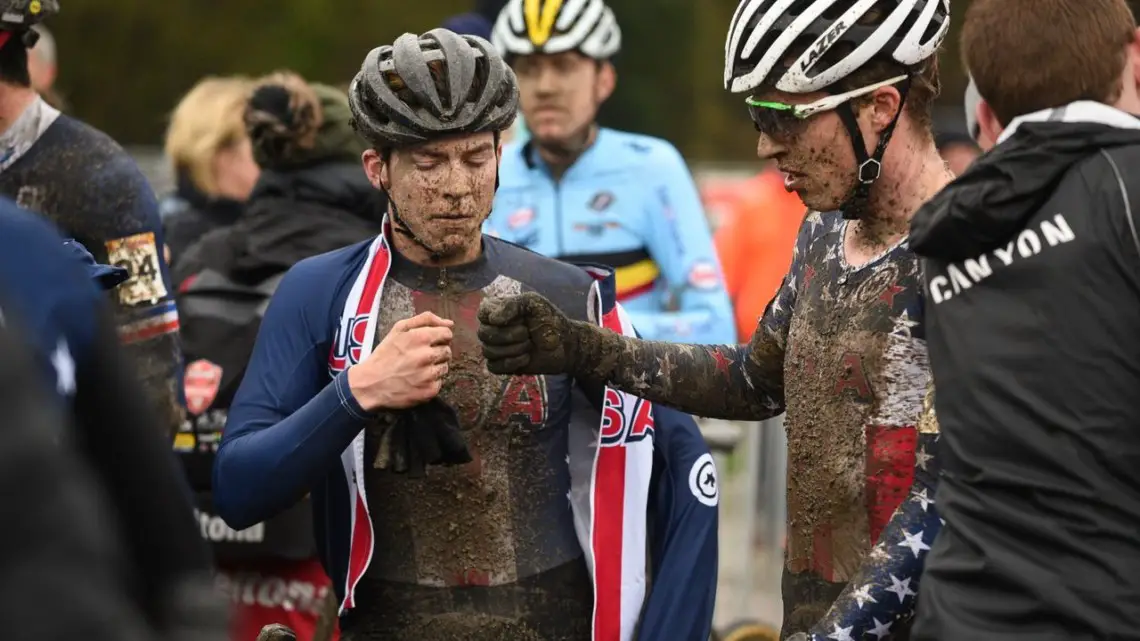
x=763 y=32
x=526 y=27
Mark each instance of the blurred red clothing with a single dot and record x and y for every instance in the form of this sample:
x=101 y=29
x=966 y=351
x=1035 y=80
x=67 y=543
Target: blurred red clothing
x=759 y=221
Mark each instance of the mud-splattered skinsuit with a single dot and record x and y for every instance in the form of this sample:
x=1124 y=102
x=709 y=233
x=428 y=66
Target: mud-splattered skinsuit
x=85 y=183
x=486 y=550
x=855 y=379
x=842 y=349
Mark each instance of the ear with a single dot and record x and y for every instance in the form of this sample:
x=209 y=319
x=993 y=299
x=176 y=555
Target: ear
x=989 y=127
x=606 y=81
x=884 y=103
x=376 y=169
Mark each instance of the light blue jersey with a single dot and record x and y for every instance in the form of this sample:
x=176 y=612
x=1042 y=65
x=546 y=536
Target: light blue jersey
x=630 y=203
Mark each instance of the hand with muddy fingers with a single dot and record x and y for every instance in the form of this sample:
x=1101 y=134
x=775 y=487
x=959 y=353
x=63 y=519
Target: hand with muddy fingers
x=527 y=334
x=407 y=367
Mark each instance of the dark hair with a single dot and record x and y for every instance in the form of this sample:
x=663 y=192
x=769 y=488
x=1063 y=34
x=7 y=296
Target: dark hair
x=14 y=62
x=1030 y=55
x=282 y=119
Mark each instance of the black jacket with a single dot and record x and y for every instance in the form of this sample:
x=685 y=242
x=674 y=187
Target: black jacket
x=289 y=217
x=188 y=214
x=1033 y=312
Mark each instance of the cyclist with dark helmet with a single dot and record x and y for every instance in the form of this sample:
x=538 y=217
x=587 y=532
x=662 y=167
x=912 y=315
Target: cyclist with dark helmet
x=840 y=93
x=583 y=193
x=451 y=503
x=88 y=186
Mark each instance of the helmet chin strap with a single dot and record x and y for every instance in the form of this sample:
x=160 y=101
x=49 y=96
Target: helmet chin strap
x=401 y=226
x=856 y=204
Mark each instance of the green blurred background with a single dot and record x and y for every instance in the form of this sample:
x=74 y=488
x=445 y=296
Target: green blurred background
x=124 y=64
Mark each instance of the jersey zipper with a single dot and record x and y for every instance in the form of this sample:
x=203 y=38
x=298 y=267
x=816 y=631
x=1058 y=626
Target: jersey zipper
x=442 y=282
x=558 y=220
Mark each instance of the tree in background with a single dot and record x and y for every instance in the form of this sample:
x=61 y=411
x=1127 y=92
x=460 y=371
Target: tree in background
x=124 y=64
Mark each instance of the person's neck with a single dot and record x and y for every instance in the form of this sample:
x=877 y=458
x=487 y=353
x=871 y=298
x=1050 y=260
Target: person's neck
x=1129 y=102
x=559 y=158
x=420 y=255
x=14 y=101
x=910 y=178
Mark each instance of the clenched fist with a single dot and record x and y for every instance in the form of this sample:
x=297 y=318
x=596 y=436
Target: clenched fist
x=527 y=334
x=407 y=367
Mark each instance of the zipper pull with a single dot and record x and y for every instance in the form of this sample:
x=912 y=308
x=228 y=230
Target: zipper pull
x=442 y=282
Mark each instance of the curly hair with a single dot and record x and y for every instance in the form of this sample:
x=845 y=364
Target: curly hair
x=282 y=118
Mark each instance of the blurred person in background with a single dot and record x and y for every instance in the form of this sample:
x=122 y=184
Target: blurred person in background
x=212 y=161
x=841 y=94
x=1032 y=262
x=958 y=150
x=52 y=290
x=755 y=242
x=43 y=68
x=451 y=503
x=89 y=187
x=587 y=194
x=312 y=197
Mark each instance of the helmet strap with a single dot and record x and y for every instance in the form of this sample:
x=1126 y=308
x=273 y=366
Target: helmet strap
x=870 y=165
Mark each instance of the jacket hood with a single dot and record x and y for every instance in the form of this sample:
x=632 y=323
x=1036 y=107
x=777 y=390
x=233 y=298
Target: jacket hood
x=992 y=201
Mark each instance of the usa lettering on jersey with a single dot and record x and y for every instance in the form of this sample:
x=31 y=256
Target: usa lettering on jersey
x=619 y=427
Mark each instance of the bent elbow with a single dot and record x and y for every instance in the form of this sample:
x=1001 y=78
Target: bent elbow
x=228 y=500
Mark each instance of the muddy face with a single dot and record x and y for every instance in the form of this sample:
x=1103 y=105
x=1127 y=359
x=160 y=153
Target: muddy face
x=442 y=190
x=815 y=154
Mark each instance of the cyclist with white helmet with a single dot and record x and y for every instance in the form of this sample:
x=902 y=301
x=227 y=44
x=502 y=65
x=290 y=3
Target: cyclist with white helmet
x=840 y=91
x=588 y=194
x=449 y=502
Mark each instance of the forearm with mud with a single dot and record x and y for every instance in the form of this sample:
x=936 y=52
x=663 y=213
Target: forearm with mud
x=732 y=382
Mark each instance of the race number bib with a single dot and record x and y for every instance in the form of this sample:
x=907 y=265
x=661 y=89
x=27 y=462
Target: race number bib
x=138 y=254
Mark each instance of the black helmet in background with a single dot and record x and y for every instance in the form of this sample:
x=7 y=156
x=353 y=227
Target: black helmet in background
x=18 y=17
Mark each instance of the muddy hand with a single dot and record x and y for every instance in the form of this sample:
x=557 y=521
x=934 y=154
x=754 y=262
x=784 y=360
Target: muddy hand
x=276 y=632
x=526 y=334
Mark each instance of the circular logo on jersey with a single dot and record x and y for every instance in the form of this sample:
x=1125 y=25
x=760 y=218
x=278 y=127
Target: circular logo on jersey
x=520 y=218
x=704 y=275
x=703 y=482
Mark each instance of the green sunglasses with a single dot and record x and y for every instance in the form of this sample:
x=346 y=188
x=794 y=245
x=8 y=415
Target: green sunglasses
x=780 y=119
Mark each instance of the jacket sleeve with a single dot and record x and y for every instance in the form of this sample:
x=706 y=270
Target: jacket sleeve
x=117 y=220
x=882 y=594
x=288 y=423
x=684 y=499
x=680 y=242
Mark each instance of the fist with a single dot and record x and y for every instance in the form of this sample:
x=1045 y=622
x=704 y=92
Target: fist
x=276 y=632
x=407 y=367
x=527 y=334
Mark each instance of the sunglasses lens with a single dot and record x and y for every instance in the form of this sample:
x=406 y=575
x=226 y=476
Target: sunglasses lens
x=774 y=122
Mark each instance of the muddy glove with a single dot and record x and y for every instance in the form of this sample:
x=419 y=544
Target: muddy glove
x=414 y=438
x=527 y=334
x=276 y=632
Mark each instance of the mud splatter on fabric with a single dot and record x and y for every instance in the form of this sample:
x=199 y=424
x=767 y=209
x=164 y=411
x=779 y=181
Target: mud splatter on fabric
x=843 y=350
x=85 y=183
x=487 y=550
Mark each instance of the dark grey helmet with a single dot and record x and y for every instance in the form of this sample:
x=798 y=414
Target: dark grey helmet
x=426 y=87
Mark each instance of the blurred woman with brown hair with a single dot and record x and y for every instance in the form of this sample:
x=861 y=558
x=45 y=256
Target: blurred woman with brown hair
x=210 y=153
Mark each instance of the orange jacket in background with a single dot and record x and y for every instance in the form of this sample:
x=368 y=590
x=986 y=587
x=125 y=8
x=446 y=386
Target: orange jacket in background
x=755 y=240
